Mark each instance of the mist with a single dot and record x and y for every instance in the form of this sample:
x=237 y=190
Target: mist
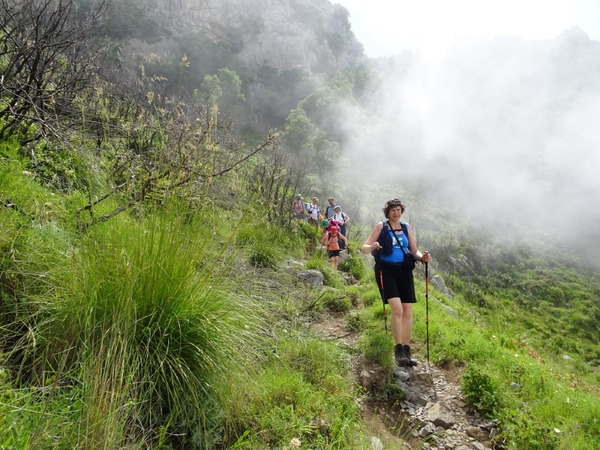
x=499 y=130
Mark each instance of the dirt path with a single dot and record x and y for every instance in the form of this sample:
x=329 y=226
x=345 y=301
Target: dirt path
x=433 y=415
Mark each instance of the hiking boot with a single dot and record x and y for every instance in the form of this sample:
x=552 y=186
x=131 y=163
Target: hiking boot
x=411 y=360
x=400 y=355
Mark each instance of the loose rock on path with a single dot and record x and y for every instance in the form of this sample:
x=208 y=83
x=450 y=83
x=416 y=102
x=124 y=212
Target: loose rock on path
x=433 y=413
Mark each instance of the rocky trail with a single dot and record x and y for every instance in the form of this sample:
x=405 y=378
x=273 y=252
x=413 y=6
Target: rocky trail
x=432 y=413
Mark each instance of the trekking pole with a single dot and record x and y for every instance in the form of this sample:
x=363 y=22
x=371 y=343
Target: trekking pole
x=427 y=308
x=383 y=300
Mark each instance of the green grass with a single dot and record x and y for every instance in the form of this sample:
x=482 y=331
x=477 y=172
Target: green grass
x=181 y=327
x=303 y=390
x=530 y=393
x=146 y=326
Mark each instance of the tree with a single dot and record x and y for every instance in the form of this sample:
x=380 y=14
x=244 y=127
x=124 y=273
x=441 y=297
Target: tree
x=181 y=148
x=45 y=60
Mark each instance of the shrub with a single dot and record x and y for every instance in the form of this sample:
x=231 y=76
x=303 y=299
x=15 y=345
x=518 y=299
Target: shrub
x=529 y=432
x=371 y=295
x=356 y=266
x=134 y=320
x=338 y=303
x=481 y=391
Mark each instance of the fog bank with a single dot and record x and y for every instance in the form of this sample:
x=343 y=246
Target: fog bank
x=499 y=129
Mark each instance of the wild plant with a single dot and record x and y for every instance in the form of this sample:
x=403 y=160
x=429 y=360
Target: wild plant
x=144 y=321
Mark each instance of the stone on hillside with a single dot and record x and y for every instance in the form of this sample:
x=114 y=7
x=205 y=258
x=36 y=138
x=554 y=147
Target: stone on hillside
x=292 y=263
x=376 y=443
x=313 y=277
x=427 y=430
x=426 y=378
x=401 y=375
x=439 y=283
x=416 y=397
x=449 y=310
x=440 y=416
x=477 y=433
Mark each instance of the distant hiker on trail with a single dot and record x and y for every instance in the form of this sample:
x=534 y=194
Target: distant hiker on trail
x=314 y=212
x=397 y=246
x=342 y=220
x=327 y=225
x=298 y=208
x=330 y=211
x=331 y=240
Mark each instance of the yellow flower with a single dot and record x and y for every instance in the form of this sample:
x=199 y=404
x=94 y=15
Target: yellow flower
x=295 y=443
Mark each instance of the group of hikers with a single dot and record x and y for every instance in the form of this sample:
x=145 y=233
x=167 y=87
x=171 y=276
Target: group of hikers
x=394 y=247
x=333 y=220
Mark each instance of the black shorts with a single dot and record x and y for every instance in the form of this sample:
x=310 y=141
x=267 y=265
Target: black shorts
x=332 y=253
x=397 y=282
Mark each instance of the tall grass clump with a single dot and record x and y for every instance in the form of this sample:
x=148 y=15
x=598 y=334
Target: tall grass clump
x=144 y=322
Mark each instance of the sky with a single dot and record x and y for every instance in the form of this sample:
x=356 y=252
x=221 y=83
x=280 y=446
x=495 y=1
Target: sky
x=386 y=27
x=501 y=131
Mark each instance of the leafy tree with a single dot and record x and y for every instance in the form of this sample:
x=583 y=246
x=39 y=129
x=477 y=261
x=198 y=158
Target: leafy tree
x=160 y=150
x=224 y=90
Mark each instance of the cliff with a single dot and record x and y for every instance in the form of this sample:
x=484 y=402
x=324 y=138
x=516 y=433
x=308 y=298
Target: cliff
x=312 y=35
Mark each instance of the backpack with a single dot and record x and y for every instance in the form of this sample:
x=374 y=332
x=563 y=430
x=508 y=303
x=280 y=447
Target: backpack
x=298 y=207
x=386 y=242
x=333 y=245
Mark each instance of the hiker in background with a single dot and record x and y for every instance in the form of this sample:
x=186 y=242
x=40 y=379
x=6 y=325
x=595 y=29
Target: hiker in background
x=314 y=213
x=342 y=220
x=329 y=211
x=396 y=282
x=327 y=224
x=298 y=208
x=331 y=240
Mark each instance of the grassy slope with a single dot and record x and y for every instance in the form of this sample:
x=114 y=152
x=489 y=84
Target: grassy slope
x=511 y=326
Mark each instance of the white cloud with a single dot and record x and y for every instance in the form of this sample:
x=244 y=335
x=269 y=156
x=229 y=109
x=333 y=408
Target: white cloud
x=385 y=27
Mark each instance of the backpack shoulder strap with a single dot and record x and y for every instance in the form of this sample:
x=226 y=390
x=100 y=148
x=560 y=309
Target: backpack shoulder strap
x=405 y=230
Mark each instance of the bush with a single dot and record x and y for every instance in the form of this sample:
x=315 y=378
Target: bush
x=356 y=266
x=371 y=295
x=481 y=391
x=356 y=321
x=150 y=339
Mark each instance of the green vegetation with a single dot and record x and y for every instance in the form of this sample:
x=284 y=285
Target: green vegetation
x=149 y=288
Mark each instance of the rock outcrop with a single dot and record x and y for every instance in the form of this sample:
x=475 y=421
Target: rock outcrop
x=312 y=35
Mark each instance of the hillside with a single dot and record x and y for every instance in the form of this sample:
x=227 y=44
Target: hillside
x=311 y=35
x=279 y=49
x=155 y=291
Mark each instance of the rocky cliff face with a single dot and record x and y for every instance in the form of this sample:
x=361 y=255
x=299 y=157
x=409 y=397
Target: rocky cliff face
x=313 y=35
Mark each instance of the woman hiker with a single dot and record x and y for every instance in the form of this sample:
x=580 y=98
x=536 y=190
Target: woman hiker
x=396 y=282
x=342 y=219
x=298 y=208
x=331 y=240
